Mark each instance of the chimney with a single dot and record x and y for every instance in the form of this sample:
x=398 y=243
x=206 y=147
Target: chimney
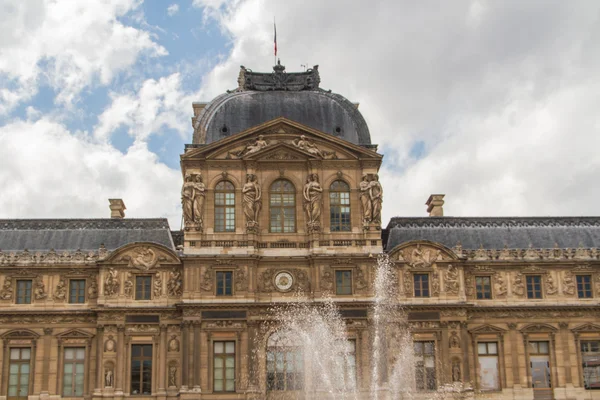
x=117 y=208
x=435 y=204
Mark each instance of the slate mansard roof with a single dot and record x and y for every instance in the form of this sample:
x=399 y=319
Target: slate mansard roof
x=262 y=97
x=81 y=234
x=497 y=232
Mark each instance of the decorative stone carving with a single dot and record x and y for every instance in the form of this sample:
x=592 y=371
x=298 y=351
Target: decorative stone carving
x=60 y=293
x=128 y=286
x=192 y=199
x=518 y=286
x=327 y=279
x=452 y=284
x=109 y=345
x=313 y=199
x=157 y=285
x=111 y=283
x=251 y=148
x=550 y=286
x=435 y=283
x=93 y=288
x=419 y=257
x=175 y=284
x=301 y=279
x=454 y=341
x=174 y=344
x=207 y=280
x=143 y=258
x=173 y=375
x=500 y=286
x=108 y=378
x=39 y=291
x=278 y=79
x=568 y=284
x=407 y=283
x=456 y=371
x=304 y=144
x=241 y=279
x=371 y=199
x=251 y=202
x=361 y=283
x=7 y=289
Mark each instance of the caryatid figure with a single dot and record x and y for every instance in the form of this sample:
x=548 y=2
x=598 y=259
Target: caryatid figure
x=313 y=195
x=251 y=199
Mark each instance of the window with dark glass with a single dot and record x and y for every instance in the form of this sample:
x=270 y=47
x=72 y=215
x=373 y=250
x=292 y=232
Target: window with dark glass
x=224 y=207
x=77 y=291
x=224 y=283
x=285 y=364
x=421 y=282
x=24 y=291
x=339 y=207
x=282 y=207
x=343 y=282
x=224 y=367
x=584 y=286
x=534 y=286
x=487 y=355
x=19 y=372
x=424 y=356
x=483 y=287
x=73 y=371
x=141 y=369
x=590 y=357
x=143 y=285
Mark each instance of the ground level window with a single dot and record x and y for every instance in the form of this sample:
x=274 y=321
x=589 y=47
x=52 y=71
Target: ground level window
x=343 y=282
x=141 y=369
x=487 y=355
x=285 y=364
x=18 y=378
x=424 y=353
x=73 y=371
x=590 y=357
x=224 y=367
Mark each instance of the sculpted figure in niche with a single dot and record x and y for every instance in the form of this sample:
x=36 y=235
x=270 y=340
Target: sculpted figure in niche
x=313 y=194
x=251 y=199
x=174 y=344
x=456 y=371
x=174 y=285
x=61 y=289
x=376 y=195
x=93 y=289
x=111 y=283
x=365 y=200
x=157 y=285
x=172 y=376
x=192 y=199
x=7 y=290
x=40 y=289
x=108 y=378
x=128 y=288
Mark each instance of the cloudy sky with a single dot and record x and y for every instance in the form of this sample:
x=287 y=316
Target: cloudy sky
x=494 y=103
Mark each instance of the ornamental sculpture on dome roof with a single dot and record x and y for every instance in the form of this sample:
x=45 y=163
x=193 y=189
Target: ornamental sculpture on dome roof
x=278 y=79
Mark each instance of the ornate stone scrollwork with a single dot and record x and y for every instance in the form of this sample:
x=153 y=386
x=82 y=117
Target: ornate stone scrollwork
x=327 y=279
x=192 y=199
x=251 y=202
x=111 y=283
x=173 y=344
x=313 y=201
x=6 y=293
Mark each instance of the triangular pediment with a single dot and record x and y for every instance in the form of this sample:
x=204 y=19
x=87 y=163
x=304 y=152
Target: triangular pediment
x=538 y=328
x=75 y=334
x=487 y=329
x=587 y=328
x=307 y=142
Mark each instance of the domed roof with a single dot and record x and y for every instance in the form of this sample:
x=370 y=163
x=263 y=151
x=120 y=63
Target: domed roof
x=262 y=97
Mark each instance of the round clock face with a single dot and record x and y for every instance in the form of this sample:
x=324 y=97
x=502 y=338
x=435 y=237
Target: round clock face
x=284 y=281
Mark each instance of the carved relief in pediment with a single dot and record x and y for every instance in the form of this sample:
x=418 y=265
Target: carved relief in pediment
x=144 y=257
x=421 y=256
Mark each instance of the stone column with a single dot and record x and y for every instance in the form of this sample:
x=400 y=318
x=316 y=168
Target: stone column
x=445 y=354
x=196 y=363
x=60 y=366
x=190 y=351
x=465 y=346
x=120 y=359
x=162 y=361
x=185 y=336
x=252 y=356
x=87 y=369
x=99 y=354
x=564 y=331
x=4 y=365
x=46 y=364
x=514 y=353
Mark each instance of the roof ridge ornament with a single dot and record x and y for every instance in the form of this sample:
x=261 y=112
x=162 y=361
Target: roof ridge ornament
x=278 y=79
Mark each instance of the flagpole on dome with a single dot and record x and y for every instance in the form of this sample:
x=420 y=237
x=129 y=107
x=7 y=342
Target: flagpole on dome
x=274 y=42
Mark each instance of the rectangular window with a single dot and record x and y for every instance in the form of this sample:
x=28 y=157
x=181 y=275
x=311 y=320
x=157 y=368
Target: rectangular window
x=584 y=286
x=285 y=368
x=483 y=287
x=421 y=282
x=590 y=357
x=348 y=360
x=24 y=291
x=18 y=378
x=224 y=212
x=224 y=367
x=143 y=286
x=339 y=209
x=141 y=369
x=73 y=371
x=424 y=353
x=488 y=366
x=77 y=291
x=343 y=282
x=534 y=286
x=224 y=280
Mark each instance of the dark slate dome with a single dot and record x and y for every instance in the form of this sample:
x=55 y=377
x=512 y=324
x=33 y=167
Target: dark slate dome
x=262 y=97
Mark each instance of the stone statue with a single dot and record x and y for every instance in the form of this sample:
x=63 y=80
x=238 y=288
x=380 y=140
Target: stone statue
x=61 y=290
x=251 y=200
x=40 y=289
x=128 y=288
x=93 y=288
x=313 y=195
x=456 y=371
x=251 y=148
x=174 y=285
x=108 y=378
x=172 y=376
x=111 y=283
x=365 y=200
x=7 y=290
x=452 y=280
x=109 y=345
x=376 y=195
x=192 y=199
x=174 y=344
x=157 y=285
x=144 y=258
x=303 y=144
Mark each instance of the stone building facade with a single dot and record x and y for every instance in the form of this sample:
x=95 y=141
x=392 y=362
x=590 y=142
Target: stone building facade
x=281 y=195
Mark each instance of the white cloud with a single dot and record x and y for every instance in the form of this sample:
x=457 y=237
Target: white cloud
x=49 y=171
x=173 y=9
x=501 y=94
x=68 y=45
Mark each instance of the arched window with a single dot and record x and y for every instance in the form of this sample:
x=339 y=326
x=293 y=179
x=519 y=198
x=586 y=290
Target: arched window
x=224 y=207
x=339 y=206
x=285 y=364
x=282 y=205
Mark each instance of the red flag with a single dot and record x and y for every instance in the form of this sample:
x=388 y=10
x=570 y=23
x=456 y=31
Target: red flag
x=275 y=36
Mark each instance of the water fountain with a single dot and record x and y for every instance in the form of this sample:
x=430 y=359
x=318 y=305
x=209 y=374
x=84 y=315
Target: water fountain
x=310 y=345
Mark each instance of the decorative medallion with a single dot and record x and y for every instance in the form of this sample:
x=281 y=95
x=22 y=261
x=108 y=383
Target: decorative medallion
x=284 y=281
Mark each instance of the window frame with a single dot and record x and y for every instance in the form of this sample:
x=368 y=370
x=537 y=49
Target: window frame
x=18 y=296
x=349 y=287
x=141 y=359
x=582 y=342
x=487 y=354
x=590 y=287
x=84 y=289
x=286 y=348
x=224 y=356
x=426 y=386
x=337 y=195
x=147 y=295
x=226 y=208
x=483 y=292
x=20 y=361
x=282 y=207
x=74 y=362
x=231 y=286
x=537 y=293
x=421 y=288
